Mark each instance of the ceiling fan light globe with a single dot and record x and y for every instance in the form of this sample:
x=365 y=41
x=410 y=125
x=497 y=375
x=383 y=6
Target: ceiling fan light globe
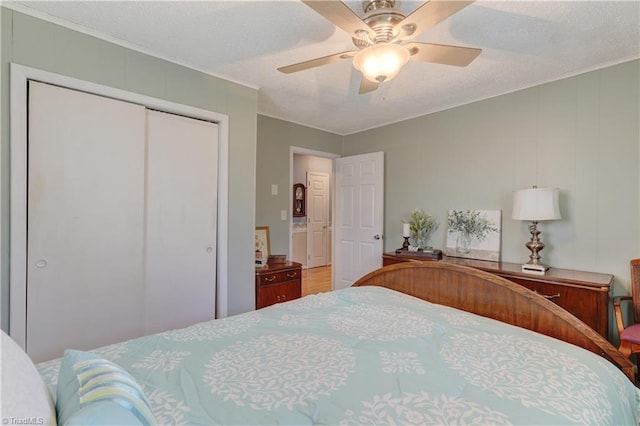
x=381 y=62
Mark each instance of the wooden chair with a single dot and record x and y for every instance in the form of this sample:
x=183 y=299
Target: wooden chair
x=630 y=335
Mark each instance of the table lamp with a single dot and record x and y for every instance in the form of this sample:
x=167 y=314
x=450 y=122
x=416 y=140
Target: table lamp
x=535 y=205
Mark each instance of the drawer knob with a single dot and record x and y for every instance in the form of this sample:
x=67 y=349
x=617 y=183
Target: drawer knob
x=271 y=278
x=292 y=274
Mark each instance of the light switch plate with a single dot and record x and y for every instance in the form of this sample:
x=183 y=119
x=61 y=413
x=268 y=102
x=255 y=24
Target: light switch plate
x=283 y=215
x=274 y=189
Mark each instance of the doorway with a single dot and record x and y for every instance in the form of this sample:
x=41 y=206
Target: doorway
x=311 y=236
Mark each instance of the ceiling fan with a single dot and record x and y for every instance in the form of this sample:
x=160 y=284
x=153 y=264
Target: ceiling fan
x=383 y=38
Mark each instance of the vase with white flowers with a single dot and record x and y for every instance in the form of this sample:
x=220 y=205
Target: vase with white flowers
x=421 y=225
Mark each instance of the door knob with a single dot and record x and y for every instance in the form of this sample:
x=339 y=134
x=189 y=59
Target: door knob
x=41 y=263
x=377 y=237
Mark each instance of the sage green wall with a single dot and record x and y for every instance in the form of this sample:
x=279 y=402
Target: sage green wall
x=580 y=134
x=275 y=137
x=40 y=44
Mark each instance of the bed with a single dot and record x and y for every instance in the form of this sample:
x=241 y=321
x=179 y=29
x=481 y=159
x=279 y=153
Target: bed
x=412 y=343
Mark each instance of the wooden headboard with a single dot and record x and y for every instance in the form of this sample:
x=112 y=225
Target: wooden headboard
x=494 y=297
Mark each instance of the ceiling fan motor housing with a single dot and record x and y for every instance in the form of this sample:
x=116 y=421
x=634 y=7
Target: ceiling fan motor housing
x=382 y=18
x=369 y=5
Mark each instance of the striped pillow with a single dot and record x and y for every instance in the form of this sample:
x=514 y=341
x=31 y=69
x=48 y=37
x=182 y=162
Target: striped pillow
x=96 y=391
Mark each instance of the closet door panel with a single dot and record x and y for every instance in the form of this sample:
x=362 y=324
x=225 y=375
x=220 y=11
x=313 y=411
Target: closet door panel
x=85 y=220
x=180 y=262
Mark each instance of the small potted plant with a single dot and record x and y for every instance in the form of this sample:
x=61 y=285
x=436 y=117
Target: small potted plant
x=421 y=225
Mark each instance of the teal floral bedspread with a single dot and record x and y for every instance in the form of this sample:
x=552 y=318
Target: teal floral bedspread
x=368 y=356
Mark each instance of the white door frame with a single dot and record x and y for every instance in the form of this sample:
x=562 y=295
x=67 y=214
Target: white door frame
x=314 y=153
x=18 y=214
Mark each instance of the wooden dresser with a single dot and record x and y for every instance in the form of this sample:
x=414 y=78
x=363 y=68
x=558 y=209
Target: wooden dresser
x=584 y=294
x=278 y=282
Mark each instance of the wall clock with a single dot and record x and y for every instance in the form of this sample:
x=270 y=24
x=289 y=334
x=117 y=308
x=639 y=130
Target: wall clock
x=299 y=200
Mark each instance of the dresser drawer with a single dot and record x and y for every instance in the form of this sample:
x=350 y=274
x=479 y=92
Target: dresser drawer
x=589 y=306
x=278 y=293
x=278 y=277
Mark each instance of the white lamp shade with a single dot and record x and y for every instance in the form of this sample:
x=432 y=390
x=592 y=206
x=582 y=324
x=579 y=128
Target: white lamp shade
x=536 y=204
x=381 y=62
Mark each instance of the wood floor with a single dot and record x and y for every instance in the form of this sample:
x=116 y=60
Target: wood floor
x=316 y=280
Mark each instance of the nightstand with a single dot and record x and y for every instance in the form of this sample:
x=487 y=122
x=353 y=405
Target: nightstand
x=278 y=282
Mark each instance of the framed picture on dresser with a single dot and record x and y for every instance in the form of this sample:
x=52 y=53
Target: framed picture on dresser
x=474 y=234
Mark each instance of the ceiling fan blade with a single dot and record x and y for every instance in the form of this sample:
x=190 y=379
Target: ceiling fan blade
x=312 y=63
x=343 y=17
x=426 y=16
x=367 y=86
x=442 y=53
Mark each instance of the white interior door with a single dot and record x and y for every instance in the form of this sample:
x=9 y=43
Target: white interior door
x=180 y=237
x=318 y=219
x=359 y=217
x=85 y=220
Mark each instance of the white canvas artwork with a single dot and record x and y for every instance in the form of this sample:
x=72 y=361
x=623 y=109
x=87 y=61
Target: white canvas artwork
x=474 y=234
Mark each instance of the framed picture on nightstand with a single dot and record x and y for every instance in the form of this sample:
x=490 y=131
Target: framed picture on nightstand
x=263 y=248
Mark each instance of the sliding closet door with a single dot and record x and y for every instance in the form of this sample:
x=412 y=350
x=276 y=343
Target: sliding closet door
x=85 y=220
x=180 y=237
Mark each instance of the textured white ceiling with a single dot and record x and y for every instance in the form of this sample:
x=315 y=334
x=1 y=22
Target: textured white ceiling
x=524 y=43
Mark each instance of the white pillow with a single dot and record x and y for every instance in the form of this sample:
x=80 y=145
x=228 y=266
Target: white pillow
x=25 y=396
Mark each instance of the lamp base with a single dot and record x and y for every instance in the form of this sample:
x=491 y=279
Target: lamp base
x=533 y=268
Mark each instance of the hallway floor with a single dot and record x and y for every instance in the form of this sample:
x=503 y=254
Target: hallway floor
x=316 y=280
